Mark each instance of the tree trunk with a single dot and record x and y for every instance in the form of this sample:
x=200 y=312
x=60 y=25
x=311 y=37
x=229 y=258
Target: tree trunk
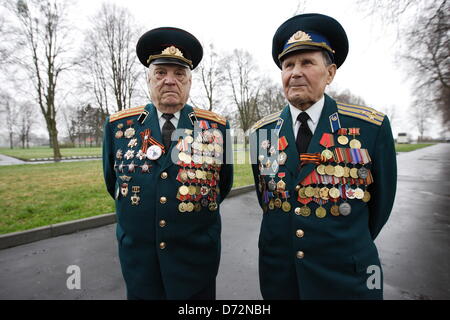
x=53 y=132
x=11 y=140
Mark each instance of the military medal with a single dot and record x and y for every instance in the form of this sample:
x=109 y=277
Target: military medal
x=119 y=133
x=129 y=133
x=124 y=189
x=131 y=166
x=321 y=169
x=327 y=141
x=359 y=193
x=120 y=168
x=309 y=192
x=321 y=212
x=345 y=209
x=324 y=193
x=182 y=207
x=282 y=145
x=350 y=193
x=129 y=154
x=334 y=210
x=154 y=152
x=334 y=193
x=342 y=139
x=281 y=185
x=119 y=154
x=363 y=173
x=132 y=143
x=338 y=171
x=135 y=198
x=305 y=211
x=145 y=167
x=366 y=197
x=329 y=170
x=354 y=173
x=271 y=185
x=140 y=155
x=354 y=143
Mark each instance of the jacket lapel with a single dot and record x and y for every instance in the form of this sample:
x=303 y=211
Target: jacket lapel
x=323 y=126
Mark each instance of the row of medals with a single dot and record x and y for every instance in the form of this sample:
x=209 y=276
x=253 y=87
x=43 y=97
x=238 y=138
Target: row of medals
x=201 y=150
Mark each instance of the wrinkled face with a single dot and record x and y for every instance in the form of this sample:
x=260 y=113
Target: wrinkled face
x=305 y=75
x=169 y=86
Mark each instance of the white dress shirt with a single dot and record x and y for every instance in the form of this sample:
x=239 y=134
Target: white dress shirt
x=314 y=115
x=174 y=120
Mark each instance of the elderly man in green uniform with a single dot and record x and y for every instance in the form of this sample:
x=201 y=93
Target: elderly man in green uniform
x=325 y=174
x=164 y=164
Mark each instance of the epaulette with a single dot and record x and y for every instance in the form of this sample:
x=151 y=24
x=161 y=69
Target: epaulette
x=361 y=112
x=210 y=116
x=266 y=120
x=126 y=113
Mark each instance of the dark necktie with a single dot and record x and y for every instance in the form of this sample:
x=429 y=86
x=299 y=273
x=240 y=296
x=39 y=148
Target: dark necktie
x=167 y=130
x=304 y=134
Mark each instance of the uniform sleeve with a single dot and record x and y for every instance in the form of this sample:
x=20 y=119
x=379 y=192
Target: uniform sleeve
x=226 y=173
x=109 y=173
x=254 y=158
x=384 y=171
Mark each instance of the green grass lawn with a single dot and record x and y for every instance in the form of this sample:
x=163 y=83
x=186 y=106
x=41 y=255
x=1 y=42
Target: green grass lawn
x=46 y=152
x=411 y=147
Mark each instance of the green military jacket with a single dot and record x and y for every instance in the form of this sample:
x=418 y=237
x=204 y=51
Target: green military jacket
x=168 y=214
x=304 y=234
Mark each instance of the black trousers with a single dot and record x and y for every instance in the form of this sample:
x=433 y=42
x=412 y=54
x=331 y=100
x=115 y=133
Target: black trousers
x=207 y=293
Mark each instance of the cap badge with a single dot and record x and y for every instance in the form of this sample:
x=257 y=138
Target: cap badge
x=299 y=36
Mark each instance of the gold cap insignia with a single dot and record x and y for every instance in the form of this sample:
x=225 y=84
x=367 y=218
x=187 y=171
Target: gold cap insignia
x=299 y=36
x=172 y=51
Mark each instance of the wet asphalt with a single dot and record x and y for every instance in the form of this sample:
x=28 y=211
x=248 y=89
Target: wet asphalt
x=413 y=246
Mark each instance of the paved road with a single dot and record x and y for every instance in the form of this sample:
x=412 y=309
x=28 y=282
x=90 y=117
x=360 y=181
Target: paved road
x=413 y=246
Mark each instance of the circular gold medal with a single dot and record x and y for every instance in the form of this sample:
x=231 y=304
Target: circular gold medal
x=334 y=210
x=286 y=206
x=305 y=211
x=183 y=176
x=182 y=207
x=346 y=172
x=199 y=174
x=317 y=192
x=197 y=207
x=309 y=191
x=191 y=174
x=327 y=154
x=212 y=206
x=271 y=204
x=338 y=171
x=278 y=203
x=190 y=207
x=321 y=212
x=324 y=193
x=321 y=169
x=355 y=144
x=181 y=156
x=192 y=190
x=366 y=197
x=342 y=140
x=329 y=170
x=359 y=193
x=302 y=193
x=354 y=173
x=183 y=190
x=334 y=193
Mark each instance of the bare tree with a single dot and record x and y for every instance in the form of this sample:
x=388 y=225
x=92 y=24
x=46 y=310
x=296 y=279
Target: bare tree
x=424 y=32
x=110 y=58
x=420 y=117
x=11 y=116
x=42 y=31
x=345 y=96
x=25 y=122
x=210 y=74
x=245 y=86
x=272 y=99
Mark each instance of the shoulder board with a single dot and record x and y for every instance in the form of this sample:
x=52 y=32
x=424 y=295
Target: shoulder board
x=361 y=112
x=210 y=116
x=126 y=113
x=266 y=120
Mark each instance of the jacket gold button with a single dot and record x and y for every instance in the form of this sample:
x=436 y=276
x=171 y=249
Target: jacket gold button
x=162 y=223
x=164 y=175
x=163 y=200
x=300 y=233
x=162 y=245
x=297 y=211
x=300 y=254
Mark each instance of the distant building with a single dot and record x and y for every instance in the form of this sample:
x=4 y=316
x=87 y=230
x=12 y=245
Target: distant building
x=403 y=137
